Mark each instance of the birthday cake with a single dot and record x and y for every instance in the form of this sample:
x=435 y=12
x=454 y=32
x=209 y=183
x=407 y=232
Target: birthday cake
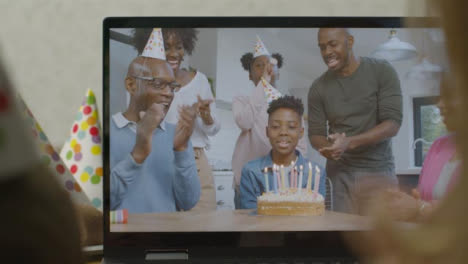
x=291 y=202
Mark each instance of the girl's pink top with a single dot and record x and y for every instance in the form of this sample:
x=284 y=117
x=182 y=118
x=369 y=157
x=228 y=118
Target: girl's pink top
x=440 y=152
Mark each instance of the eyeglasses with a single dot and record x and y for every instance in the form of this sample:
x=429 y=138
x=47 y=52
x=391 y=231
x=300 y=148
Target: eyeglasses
x=159 y=84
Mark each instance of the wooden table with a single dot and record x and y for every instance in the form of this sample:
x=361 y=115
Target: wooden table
x=239 y=220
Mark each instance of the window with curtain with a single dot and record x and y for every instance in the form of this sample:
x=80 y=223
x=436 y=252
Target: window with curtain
x=428 y=126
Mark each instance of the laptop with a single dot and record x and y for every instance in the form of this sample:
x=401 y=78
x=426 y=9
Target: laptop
x=226 y=234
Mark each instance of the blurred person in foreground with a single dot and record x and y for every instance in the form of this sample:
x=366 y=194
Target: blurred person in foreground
x=443 y=237
x=39 y=222
x=440 y=170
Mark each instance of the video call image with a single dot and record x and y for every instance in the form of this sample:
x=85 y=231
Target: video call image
x=271 y=129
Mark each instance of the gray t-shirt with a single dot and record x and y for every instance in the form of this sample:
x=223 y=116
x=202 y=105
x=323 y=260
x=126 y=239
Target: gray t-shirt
x=354 y=105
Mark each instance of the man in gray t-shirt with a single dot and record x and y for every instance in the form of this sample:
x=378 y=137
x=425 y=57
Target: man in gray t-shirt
x=360 y=98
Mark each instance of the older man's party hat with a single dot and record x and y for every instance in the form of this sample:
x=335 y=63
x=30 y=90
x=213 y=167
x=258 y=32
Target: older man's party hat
x=155 y=46
x=82 y=152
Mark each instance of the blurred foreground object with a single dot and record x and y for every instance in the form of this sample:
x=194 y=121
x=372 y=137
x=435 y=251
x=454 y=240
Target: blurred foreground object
x=443 y=237
x=91 y=224
x=38 y=223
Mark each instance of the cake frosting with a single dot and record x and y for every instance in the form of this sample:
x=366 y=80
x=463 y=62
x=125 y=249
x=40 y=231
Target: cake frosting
x=291 y=202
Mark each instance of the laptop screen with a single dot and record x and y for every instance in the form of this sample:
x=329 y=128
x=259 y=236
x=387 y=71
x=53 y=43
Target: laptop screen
x=244 y=125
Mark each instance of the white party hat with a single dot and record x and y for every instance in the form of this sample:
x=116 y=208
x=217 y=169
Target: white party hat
x=17 y=152
x=82 y=152
x=271 y=93
x=155 y=46
x=49 y=156
x=260 y=48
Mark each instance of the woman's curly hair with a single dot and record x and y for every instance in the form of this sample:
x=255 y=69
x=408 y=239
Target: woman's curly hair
x=247 y=60
x=187 y=35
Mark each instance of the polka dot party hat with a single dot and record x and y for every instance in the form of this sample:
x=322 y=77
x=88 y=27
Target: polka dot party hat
x=260 y=48
x=270 y=92
x=82 y=152
x=17 y=152
x=49 y=156
x=155 y=46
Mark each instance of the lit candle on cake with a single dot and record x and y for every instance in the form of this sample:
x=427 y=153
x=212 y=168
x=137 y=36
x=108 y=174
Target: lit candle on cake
x=295 y=176
x=296 y=173
x=274 y=178
x=267 y=185
x=309 y=179
x=300 y=178
x=277 y=179
x=283 y=181
x=291 y=175
x=317 y=178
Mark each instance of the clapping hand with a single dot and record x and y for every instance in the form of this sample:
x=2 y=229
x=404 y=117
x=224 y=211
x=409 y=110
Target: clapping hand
x=204 y=110
x=185 y=125
x=339 y=145
x=268 y=73
x=149 y=121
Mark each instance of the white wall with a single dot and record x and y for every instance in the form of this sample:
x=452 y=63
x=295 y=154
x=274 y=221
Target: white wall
x=120 y=57
x=222 y=145
x=205 y=53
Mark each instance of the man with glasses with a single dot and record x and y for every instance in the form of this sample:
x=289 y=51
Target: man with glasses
x=152 y=162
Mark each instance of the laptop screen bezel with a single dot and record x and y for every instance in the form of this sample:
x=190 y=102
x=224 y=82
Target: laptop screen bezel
x=115 y=242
